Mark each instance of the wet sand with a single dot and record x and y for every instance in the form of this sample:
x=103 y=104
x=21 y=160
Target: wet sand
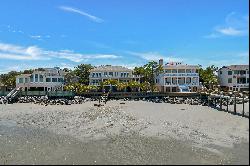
x=136 y=132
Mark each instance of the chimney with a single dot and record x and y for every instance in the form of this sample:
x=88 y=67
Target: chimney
x=161 y=62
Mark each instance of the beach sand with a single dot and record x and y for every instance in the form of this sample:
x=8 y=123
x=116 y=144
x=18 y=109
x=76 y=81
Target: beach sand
x=136 y=132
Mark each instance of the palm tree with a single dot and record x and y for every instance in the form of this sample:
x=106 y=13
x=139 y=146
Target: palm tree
x=121 y=86
x=134 y=85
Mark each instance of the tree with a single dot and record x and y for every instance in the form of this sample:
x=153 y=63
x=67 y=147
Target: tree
x=70 y=77
x=30 y=71
x=9 y=79
x=149 y=71
x=207 y=76
x=83 y=71
x=134 y=85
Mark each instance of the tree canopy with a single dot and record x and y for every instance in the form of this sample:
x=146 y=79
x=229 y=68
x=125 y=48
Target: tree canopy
x=208 y=77
x=83 y=71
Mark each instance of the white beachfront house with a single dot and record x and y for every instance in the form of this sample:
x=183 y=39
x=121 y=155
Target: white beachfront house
x=234 y=77
x=45 y=79
x=106 y=72
x=178 y=77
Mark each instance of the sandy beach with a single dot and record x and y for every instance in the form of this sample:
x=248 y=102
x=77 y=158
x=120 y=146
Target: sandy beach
x=136 y=132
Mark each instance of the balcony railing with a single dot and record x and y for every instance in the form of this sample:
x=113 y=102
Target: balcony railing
x=187 y=84
x=110 y=76
x=181 y=74
x=241 y=75
x=243 y=85
x=95 y=84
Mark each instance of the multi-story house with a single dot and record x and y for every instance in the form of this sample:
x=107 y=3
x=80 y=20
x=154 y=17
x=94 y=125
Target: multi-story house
x=103 y=73
x=46 y=79
x=234 y=77
x=178 y=77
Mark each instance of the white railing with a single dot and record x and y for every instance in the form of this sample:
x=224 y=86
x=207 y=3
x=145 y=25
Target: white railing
x=110 y=76
x=241 y=75
x=187 y=84
x=242 y=85
x=181 y=74
x=94 y=83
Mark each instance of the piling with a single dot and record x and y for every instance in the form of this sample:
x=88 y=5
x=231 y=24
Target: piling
x=234 y=103
x=243 y=109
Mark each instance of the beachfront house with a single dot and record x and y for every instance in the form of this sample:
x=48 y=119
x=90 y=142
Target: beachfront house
x=234 y=77
x=45 y=79
x=178 y=77
x=108 y=72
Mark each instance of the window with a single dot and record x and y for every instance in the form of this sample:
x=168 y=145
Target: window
x=48 y=79
x=168 y=71
x=40 y=78
x=60 y=79
x=236 y=72
x=174 y=71
x=111 y=74
x=188 y=71
x=121 y=74
x=21 y=80
x=168 y=80
x=243 y=72
x=105 y=73
x=31 y=78
x=229 y=72
x=229 y=80
x=54 y=79
x=247 y=80
x=181 y=71
x=36 y=77
x=188 y=80
x=100 y=74
x=26 y=80
x=220 y=72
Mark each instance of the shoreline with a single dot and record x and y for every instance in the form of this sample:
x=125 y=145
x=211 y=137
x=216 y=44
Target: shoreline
x=215 y=132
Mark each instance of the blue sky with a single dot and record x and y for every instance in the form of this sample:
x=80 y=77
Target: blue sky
x=65 y=33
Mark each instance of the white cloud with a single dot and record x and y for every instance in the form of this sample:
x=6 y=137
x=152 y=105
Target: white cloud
x=9 y=51
x=74 y=10
x=155 y=56
x=36 y=37
x=147 y=55
x=234 y=25
x=230 y=31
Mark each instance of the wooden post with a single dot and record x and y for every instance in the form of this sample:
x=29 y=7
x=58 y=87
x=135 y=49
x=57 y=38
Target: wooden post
x=227 y=104
x=220 y=103
x=208 y=100
x=234 y=103
x=243 y=110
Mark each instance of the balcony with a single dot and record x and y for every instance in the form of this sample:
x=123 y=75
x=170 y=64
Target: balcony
x=240 y=75
x=187 y=84
x=181 y=74
x=242 y=85
x=110 y=76
x=96 y=84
